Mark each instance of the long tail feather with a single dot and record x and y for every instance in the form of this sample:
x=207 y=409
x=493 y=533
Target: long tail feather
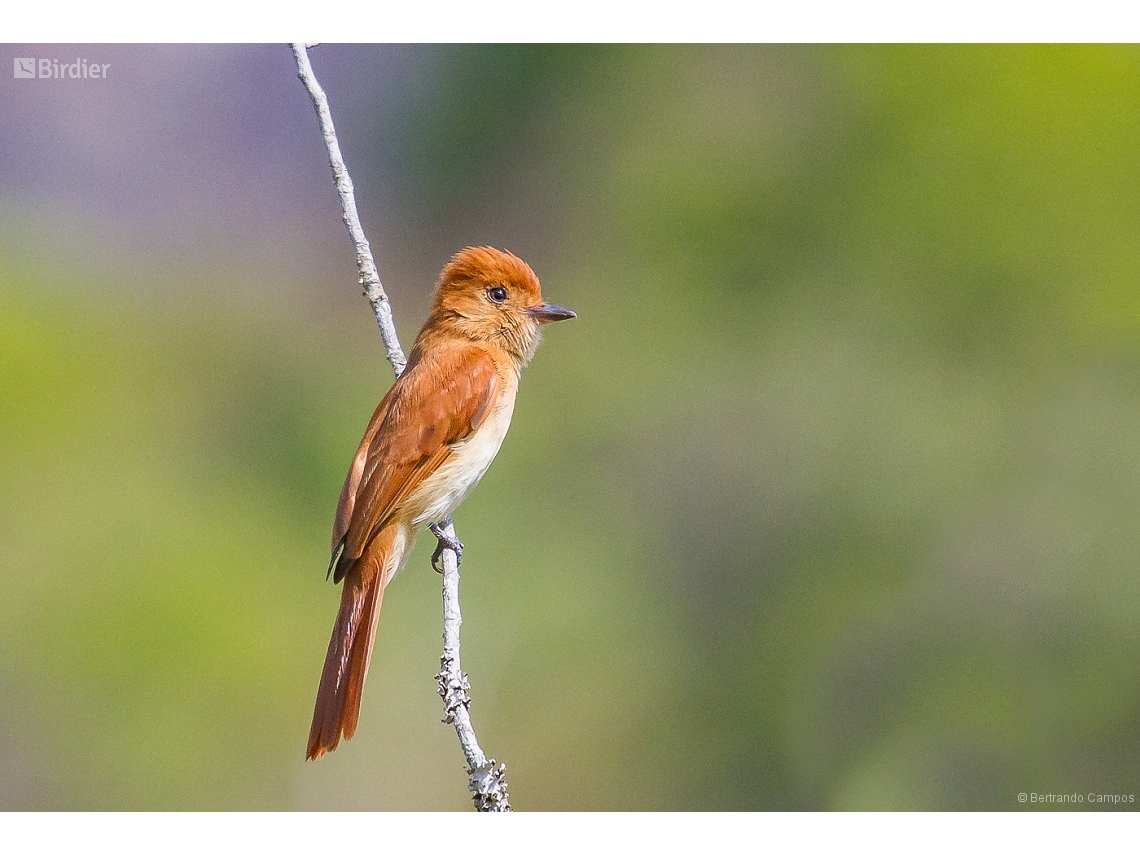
x=350 y=650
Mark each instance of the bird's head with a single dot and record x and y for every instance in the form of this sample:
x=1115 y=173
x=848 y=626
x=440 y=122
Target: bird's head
x=492 y=296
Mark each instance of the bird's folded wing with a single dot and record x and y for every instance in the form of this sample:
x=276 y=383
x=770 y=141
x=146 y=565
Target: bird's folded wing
x=442 y=397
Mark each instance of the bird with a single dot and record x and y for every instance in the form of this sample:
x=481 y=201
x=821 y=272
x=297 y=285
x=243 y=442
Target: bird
x=432 y=437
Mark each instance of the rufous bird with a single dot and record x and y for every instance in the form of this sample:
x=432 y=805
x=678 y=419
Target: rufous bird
x=429 y=442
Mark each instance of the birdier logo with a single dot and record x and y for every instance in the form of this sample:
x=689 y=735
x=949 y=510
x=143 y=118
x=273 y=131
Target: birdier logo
x=81 y=69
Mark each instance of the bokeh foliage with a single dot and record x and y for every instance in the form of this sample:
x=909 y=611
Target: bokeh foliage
x=828 y=499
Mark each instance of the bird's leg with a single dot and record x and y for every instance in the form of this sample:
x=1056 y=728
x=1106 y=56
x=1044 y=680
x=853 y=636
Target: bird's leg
x=444 y=541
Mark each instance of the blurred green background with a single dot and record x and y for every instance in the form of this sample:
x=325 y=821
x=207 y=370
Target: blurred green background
x=829 y=498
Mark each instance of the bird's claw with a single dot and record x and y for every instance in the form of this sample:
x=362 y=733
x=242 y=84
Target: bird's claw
x=444 y=541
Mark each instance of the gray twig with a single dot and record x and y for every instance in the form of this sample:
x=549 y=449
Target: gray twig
x=488 y=783
x=369 y=278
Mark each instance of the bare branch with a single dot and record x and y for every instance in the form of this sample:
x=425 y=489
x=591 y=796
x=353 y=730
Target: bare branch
x=369 y=278
x=488 y=784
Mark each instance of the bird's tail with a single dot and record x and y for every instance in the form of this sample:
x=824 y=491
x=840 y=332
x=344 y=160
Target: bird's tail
x=350 y=648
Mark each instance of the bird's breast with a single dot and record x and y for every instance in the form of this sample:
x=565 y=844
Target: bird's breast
x=440 y=493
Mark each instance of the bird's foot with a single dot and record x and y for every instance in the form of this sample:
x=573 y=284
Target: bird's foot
x=444 y=541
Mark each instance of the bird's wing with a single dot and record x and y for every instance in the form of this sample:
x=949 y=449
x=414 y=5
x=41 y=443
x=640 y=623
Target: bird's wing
x=442 y=397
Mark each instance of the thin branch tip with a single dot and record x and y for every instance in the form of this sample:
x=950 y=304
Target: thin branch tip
x=365 y=264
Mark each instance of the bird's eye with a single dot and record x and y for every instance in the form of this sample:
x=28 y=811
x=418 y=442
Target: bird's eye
x=498 y=294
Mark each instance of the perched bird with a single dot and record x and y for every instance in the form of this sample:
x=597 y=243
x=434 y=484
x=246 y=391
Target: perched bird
x=429 y=442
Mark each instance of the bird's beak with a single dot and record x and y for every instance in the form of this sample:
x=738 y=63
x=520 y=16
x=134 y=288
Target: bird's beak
x=548 y=312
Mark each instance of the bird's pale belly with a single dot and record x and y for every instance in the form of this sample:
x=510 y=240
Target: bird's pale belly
x=441 y=493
